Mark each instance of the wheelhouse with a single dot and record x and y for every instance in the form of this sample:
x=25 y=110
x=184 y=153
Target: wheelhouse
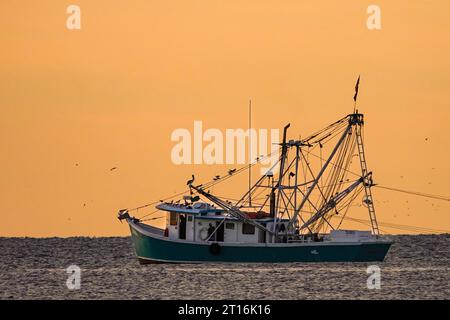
x=202 y=222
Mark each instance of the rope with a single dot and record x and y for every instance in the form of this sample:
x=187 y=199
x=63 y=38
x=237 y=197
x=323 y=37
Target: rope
x=400 y=226
x=155 y=218
x=148 y=214
x=420 y=194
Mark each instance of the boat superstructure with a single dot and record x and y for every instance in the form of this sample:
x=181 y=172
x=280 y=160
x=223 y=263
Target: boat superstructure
x=293 y=213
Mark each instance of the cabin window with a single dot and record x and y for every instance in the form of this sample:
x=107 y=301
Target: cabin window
x=189 y=218
x=173 y=219
x=248 y=228
x=229 y=225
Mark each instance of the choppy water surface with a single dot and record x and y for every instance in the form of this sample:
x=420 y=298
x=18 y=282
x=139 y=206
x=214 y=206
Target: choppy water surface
x=417 y=267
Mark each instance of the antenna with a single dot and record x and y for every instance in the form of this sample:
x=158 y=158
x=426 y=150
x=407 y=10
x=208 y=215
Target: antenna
x=249 y=152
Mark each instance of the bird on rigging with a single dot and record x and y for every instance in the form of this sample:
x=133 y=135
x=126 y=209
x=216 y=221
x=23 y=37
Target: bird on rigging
x=190 y=181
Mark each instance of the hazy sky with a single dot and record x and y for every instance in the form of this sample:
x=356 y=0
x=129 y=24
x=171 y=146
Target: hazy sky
x=75 y=103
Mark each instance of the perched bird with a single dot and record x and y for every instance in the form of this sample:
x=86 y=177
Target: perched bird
x=216 y=178
x=189 y=182
x=231 y=171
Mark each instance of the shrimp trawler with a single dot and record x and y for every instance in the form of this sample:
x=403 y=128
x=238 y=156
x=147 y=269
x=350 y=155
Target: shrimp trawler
x=293 y=213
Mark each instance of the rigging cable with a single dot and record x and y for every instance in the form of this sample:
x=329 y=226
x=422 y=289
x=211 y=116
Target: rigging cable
x=399 y=226
x=208 y=184
x=420 y=194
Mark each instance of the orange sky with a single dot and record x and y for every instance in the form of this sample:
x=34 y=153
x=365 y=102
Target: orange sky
x=111 y=93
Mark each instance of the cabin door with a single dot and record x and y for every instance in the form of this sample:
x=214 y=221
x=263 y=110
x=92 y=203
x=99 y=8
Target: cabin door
x=220 y=231
x=182 y=228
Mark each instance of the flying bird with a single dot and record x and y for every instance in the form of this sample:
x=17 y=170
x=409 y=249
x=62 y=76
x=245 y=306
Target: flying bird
x=113 y=168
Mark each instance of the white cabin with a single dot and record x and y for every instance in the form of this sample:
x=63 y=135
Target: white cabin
x=204 y=222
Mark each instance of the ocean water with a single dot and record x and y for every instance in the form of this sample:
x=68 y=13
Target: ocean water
x=416 y=267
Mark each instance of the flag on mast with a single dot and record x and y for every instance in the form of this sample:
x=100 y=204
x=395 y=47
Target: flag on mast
x=356 y=89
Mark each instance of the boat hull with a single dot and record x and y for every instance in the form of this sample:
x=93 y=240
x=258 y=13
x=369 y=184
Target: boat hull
x=155 y=248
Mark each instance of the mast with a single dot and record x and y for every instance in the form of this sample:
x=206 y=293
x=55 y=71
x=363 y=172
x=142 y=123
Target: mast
x=358 y=119
x=249 y=153
x=284 y=149
x=359 y=122
x=297 y=158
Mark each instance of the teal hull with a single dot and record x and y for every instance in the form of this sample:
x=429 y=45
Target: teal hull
x=156 y=249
